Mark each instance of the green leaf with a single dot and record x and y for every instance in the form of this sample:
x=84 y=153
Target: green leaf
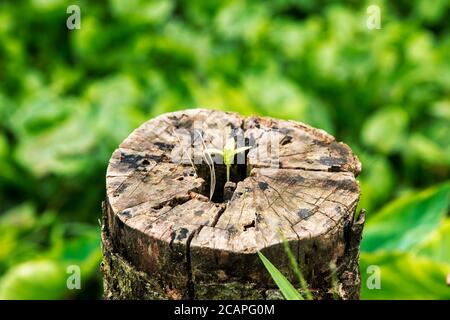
x=404 y=276
x=228 y=151
x=386 y=130
x=39 y=279
x=82 y=247
x=241 y=149
x=407 y=221
x=425 y=150
x=287 y=289
x=437 y=246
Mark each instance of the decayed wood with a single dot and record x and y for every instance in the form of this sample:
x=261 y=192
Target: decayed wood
x=163 y=238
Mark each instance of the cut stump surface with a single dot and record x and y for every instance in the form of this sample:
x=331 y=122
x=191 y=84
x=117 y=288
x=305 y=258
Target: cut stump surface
x=163 y=238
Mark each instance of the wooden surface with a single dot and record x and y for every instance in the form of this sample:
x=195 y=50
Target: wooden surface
x=163 y=238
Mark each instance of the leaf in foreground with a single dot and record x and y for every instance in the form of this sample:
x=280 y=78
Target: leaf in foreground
x=286 y=288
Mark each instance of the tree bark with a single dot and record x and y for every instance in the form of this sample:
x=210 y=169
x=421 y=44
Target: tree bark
x=164 y=238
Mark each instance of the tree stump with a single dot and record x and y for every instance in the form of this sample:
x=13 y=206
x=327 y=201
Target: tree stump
x=171 y=232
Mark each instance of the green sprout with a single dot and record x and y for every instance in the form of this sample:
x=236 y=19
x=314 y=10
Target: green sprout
x=228 y=153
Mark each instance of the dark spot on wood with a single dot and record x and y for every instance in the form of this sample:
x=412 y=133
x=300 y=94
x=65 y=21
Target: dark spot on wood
x=126 y=213
x=259 y=218
x=297 y=179
x=284 y=131
x=346 y=184
x=228 y=190
x=164 y=146
x=199 y=213
x=250 y=225
x=181 y=178
x=285 y=140
x=347 y=234
x=331 y=161
x=232 y=229
x=145 y=162
x=321 y=143
x=185 y=123
x=235 y=131
x=133 y=161
x=334 y=169
x=173 y=234
x=349 y=185
x=304 y=213
x=263 y=185
x=155 y=158
x=121 y=188
x=182 y=234
x=236 y=195
x=340 y=148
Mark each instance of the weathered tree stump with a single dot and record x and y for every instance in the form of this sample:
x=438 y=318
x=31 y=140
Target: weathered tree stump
x=163 y=238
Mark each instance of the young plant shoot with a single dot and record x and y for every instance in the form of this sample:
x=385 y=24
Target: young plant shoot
x=228 y=153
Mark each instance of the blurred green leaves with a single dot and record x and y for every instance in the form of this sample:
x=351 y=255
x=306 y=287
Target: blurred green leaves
x=35 y=252
x=385 y=130
x=404 y=276
x=407 y=221
x=409 y=240
x=40 y=279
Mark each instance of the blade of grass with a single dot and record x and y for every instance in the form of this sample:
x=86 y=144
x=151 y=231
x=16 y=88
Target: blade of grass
x=286 y=288
x=334 y=281
x=297 y=272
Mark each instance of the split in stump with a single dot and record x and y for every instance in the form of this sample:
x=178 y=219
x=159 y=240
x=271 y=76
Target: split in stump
x=174 y=228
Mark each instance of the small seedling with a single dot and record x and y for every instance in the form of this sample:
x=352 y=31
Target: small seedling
x=228 y=153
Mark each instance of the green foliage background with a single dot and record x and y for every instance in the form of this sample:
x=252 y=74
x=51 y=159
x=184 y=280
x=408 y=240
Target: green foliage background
x=67 y=98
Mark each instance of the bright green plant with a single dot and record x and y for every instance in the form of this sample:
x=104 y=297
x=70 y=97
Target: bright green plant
x=286 y=288
x=228 y=153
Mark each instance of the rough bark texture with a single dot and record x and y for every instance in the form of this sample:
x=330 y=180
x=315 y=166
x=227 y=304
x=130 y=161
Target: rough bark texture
x=163 y=238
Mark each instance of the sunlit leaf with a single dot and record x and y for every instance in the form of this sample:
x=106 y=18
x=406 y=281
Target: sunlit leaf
x=404 y=276
x=386 y=130
x=437 y=246
x=406 y=221
x=40 y=279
